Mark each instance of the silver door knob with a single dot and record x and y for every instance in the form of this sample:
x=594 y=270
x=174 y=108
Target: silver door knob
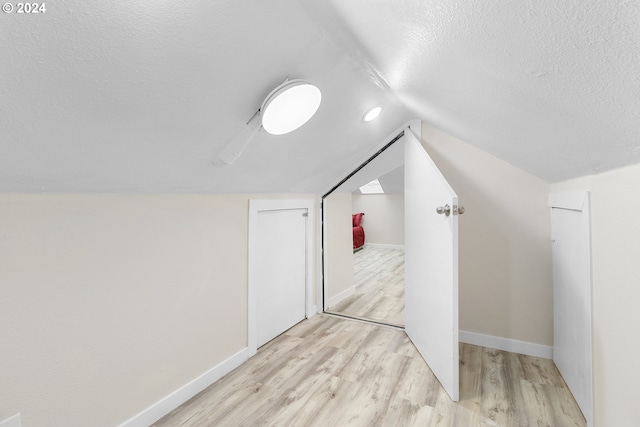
x=446 y=209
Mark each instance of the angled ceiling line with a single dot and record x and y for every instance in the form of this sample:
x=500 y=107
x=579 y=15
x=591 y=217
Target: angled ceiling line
x=365 y=163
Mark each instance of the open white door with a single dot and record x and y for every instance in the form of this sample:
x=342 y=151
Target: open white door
x=431 y=264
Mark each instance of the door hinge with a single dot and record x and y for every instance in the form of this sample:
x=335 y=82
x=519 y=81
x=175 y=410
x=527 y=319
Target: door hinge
x=305 y=214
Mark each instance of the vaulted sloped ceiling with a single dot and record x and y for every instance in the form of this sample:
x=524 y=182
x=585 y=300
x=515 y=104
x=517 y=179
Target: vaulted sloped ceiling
x=550 y=86
x=143 y=96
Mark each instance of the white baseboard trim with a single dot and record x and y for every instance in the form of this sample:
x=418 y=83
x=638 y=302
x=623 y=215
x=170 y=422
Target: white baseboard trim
x=507 y=344
x=384 y=245
x=161 y=408
x=342 y=295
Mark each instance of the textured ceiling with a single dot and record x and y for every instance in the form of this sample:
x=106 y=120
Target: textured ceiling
x=550 y=86
x=143 y=96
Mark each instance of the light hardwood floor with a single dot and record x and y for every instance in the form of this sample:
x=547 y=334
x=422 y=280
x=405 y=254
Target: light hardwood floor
x=379 y=282
x=330 y=372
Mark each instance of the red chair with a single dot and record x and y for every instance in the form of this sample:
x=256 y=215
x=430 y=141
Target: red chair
x=358 y=231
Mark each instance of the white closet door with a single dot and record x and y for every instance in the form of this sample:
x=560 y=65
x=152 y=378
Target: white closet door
x=281 y=267
x=571 y=256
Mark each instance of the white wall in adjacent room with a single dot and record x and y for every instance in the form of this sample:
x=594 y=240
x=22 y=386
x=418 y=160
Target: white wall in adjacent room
x=383 y=221
x=338 y=245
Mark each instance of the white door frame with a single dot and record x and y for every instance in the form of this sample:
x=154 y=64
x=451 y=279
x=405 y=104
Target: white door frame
x=261 y=205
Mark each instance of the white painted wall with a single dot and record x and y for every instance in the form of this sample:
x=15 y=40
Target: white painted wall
x=111 y=302
x=383 y=221
x=338 y=245
x=615 y=233
x=505 y=256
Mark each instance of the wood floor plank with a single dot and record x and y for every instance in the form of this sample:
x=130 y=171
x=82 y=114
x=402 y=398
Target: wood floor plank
x=379 y=283
x=335 y=372
x=420 y=386
x=332 y=407
x=495 y=400
x=368 y=402
x=402 y=412
x=296 y=390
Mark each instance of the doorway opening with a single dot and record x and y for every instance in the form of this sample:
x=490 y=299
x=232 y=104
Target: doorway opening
x=363 y=240
x=431 y=250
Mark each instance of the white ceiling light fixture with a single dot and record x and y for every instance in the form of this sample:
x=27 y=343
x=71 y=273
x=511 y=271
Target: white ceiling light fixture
x=285 y=109
x=372 y=114
x=289 y=106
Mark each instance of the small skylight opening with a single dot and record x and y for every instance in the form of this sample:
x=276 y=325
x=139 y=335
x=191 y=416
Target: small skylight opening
x=372 y=187
x=372 y=114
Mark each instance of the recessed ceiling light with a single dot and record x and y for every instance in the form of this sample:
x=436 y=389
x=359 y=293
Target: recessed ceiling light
x=372 y=114
x=289 y=106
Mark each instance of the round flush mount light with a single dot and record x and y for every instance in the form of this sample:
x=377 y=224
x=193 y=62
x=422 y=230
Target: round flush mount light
x=372 y=114
x=289 y=106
